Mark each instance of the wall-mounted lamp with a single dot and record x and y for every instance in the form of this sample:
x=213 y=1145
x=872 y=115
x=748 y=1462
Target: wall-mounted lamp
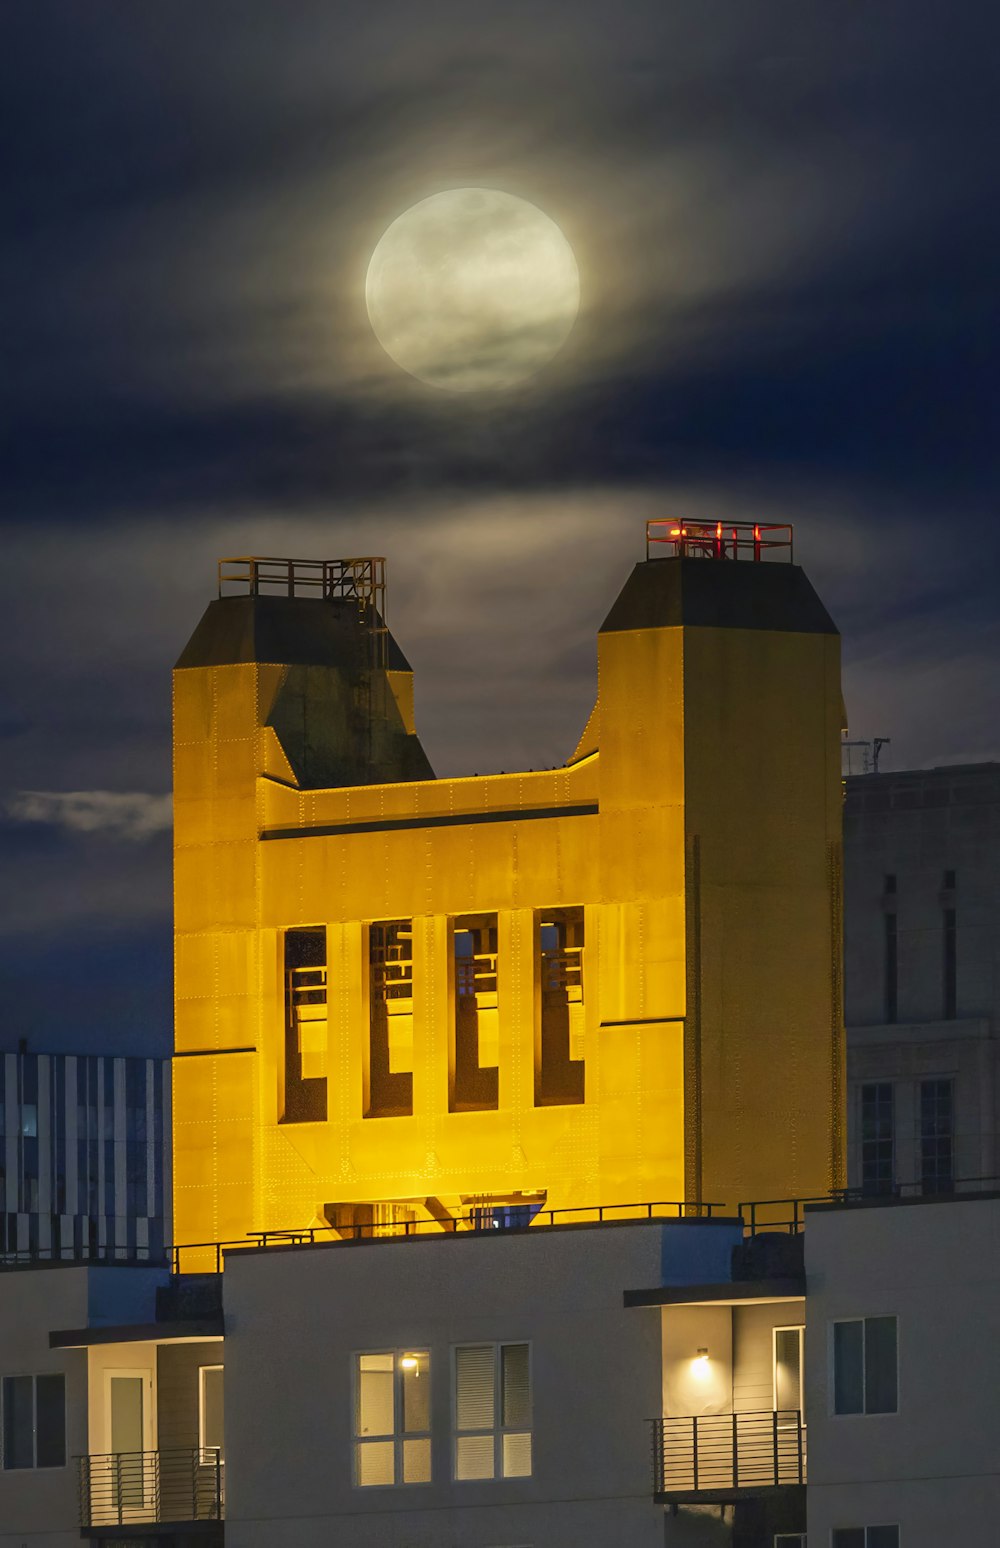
x=702 y=1354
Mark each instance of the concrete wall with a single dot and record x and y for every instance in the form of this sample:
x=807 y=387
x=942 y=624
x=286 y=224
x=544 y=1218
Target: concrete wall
x=916 y=826
x=934 y=1466
x=295 y=1320
x=39 y=1506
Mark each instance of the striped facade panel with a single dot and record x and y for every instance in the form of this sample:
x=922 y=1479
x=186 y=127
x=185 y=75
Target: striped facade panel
x=83 y=1158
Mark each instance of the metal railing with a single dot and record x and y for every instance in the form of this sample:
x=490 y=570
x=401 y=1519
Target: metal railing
x=717 y=1454
x=363 y=580
x=719 y=540
x=179 y=1484
x=209 y=1255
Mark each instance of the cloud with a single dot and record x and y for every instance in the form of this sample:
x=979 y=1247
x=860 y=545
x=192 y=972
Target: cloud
x=132 y=815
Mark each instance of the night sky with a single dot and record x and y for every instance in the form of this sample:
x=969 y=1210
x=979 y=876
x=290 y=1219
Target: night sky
x=786 y=222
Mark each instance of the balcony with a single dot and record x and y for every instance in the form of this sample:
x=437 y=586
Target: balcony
x=718 y=1458
x=141 y=1490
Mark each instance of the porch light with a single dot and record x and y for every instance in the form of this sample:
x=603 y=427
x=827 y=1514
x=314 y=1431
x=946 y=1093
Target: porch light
x=702 y=1354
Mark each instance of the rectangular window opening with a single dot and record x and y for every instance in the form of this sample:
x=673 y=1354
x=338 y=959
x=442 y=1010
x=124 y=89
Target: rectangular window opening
x=211 y=1412
x=475 y=1083
x=788 y=1370
x=492 y=1412
x=392 y=1418
x=34 y=1421
x=389 y=1084
x=891 y=968
x=950 y=964
x=878 y=1138
x=559 y=1063
x=305 y=1094
x=865 y=1537
x=865 y=1366
x=937 y=1136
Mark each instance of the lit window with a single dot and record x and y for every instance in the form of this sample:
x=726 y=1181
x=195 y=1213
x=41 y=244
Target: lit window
x=34 y=1421
x=788 y=1363
x=211 y=1412
x=392 y=1418
x=492 y=1411
x=864 y=1366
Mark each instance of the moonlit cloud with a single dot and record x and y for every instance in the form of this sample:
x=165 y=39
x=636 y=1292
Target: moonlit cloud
x=787 y=258
x=131 y=815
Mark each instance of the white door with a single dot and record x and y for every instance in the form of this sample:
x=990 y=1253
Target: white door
x=128 y=1409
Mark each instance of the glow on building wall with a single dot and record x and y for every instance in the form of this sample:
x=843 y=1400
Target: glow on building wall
x=401 y=998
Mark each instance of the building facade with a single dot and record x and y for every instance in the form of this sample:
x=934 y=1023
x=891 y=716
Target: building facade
x=84 y=1142
x=902 y=1364
x=922 y=970
x=404 y=999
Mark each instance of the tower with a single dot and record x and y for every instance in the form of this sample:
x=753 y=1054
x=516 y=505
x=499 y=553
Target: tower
x=404 y=999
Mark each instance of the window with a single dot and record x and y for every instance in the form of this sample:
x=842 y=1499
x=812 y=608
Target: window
x=305 y=1026
x=864 y=1366
x=877 y=1137
x=891 y=950
x=475 y=1078
x=34 y=1421
x=788 y=1369
x=866 y=1537
x=936 y=1136
x=492 y=1411
x=389 y=1075
x=392 y=1418
x=211 y=1411
x=559 y=1066
x=950 y=957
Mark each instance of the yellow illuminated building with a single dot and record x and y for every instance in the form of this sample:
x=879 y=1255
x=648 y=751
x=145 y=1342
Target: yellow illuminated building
x=405 y=998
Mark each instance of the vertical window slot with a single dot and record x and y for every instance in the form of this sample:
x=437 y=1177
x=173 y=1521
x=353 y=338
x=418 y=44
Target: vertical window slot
x=390 y=1019
x=305 y=1027
x=559 y=1065
x=475 y=1067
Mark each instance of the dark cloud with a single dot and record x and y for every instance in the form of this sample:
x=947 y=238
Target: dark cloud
x=787 y=227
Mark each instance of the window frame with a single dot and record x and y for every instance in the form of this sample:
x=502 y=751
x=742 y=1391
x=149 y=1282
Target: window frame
x=863 y=1412
x=203 y=1448
x=876 y=1526
x=398 y=1435
x=499 y=1429
x=789 y=1327
x=36 y=1466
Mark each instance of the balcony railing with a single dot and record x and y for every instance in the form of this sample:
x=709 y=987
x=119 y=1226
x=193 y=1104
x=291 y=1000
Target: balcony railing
x=718 y=1456
x=176 y=1485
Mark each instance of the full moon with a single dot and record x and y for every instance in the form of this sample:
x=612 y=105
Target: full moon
x=472 y=289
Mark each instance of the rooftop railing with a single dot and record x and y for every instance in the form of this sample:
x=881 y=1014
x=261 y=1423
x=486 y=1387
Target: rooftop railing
x=480 y=1220
x=361 y=580
x=714 y=1457
x=673 y=539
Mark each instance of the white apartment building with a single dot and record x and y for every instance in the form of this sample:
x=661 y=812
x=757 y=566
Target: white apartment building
x=653 y=1383
x=922 y=977
x=902 y=1373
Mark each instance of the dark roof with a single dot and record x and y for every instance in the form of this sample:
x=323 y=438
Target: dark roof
x=714 y=594
x=283 y=631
